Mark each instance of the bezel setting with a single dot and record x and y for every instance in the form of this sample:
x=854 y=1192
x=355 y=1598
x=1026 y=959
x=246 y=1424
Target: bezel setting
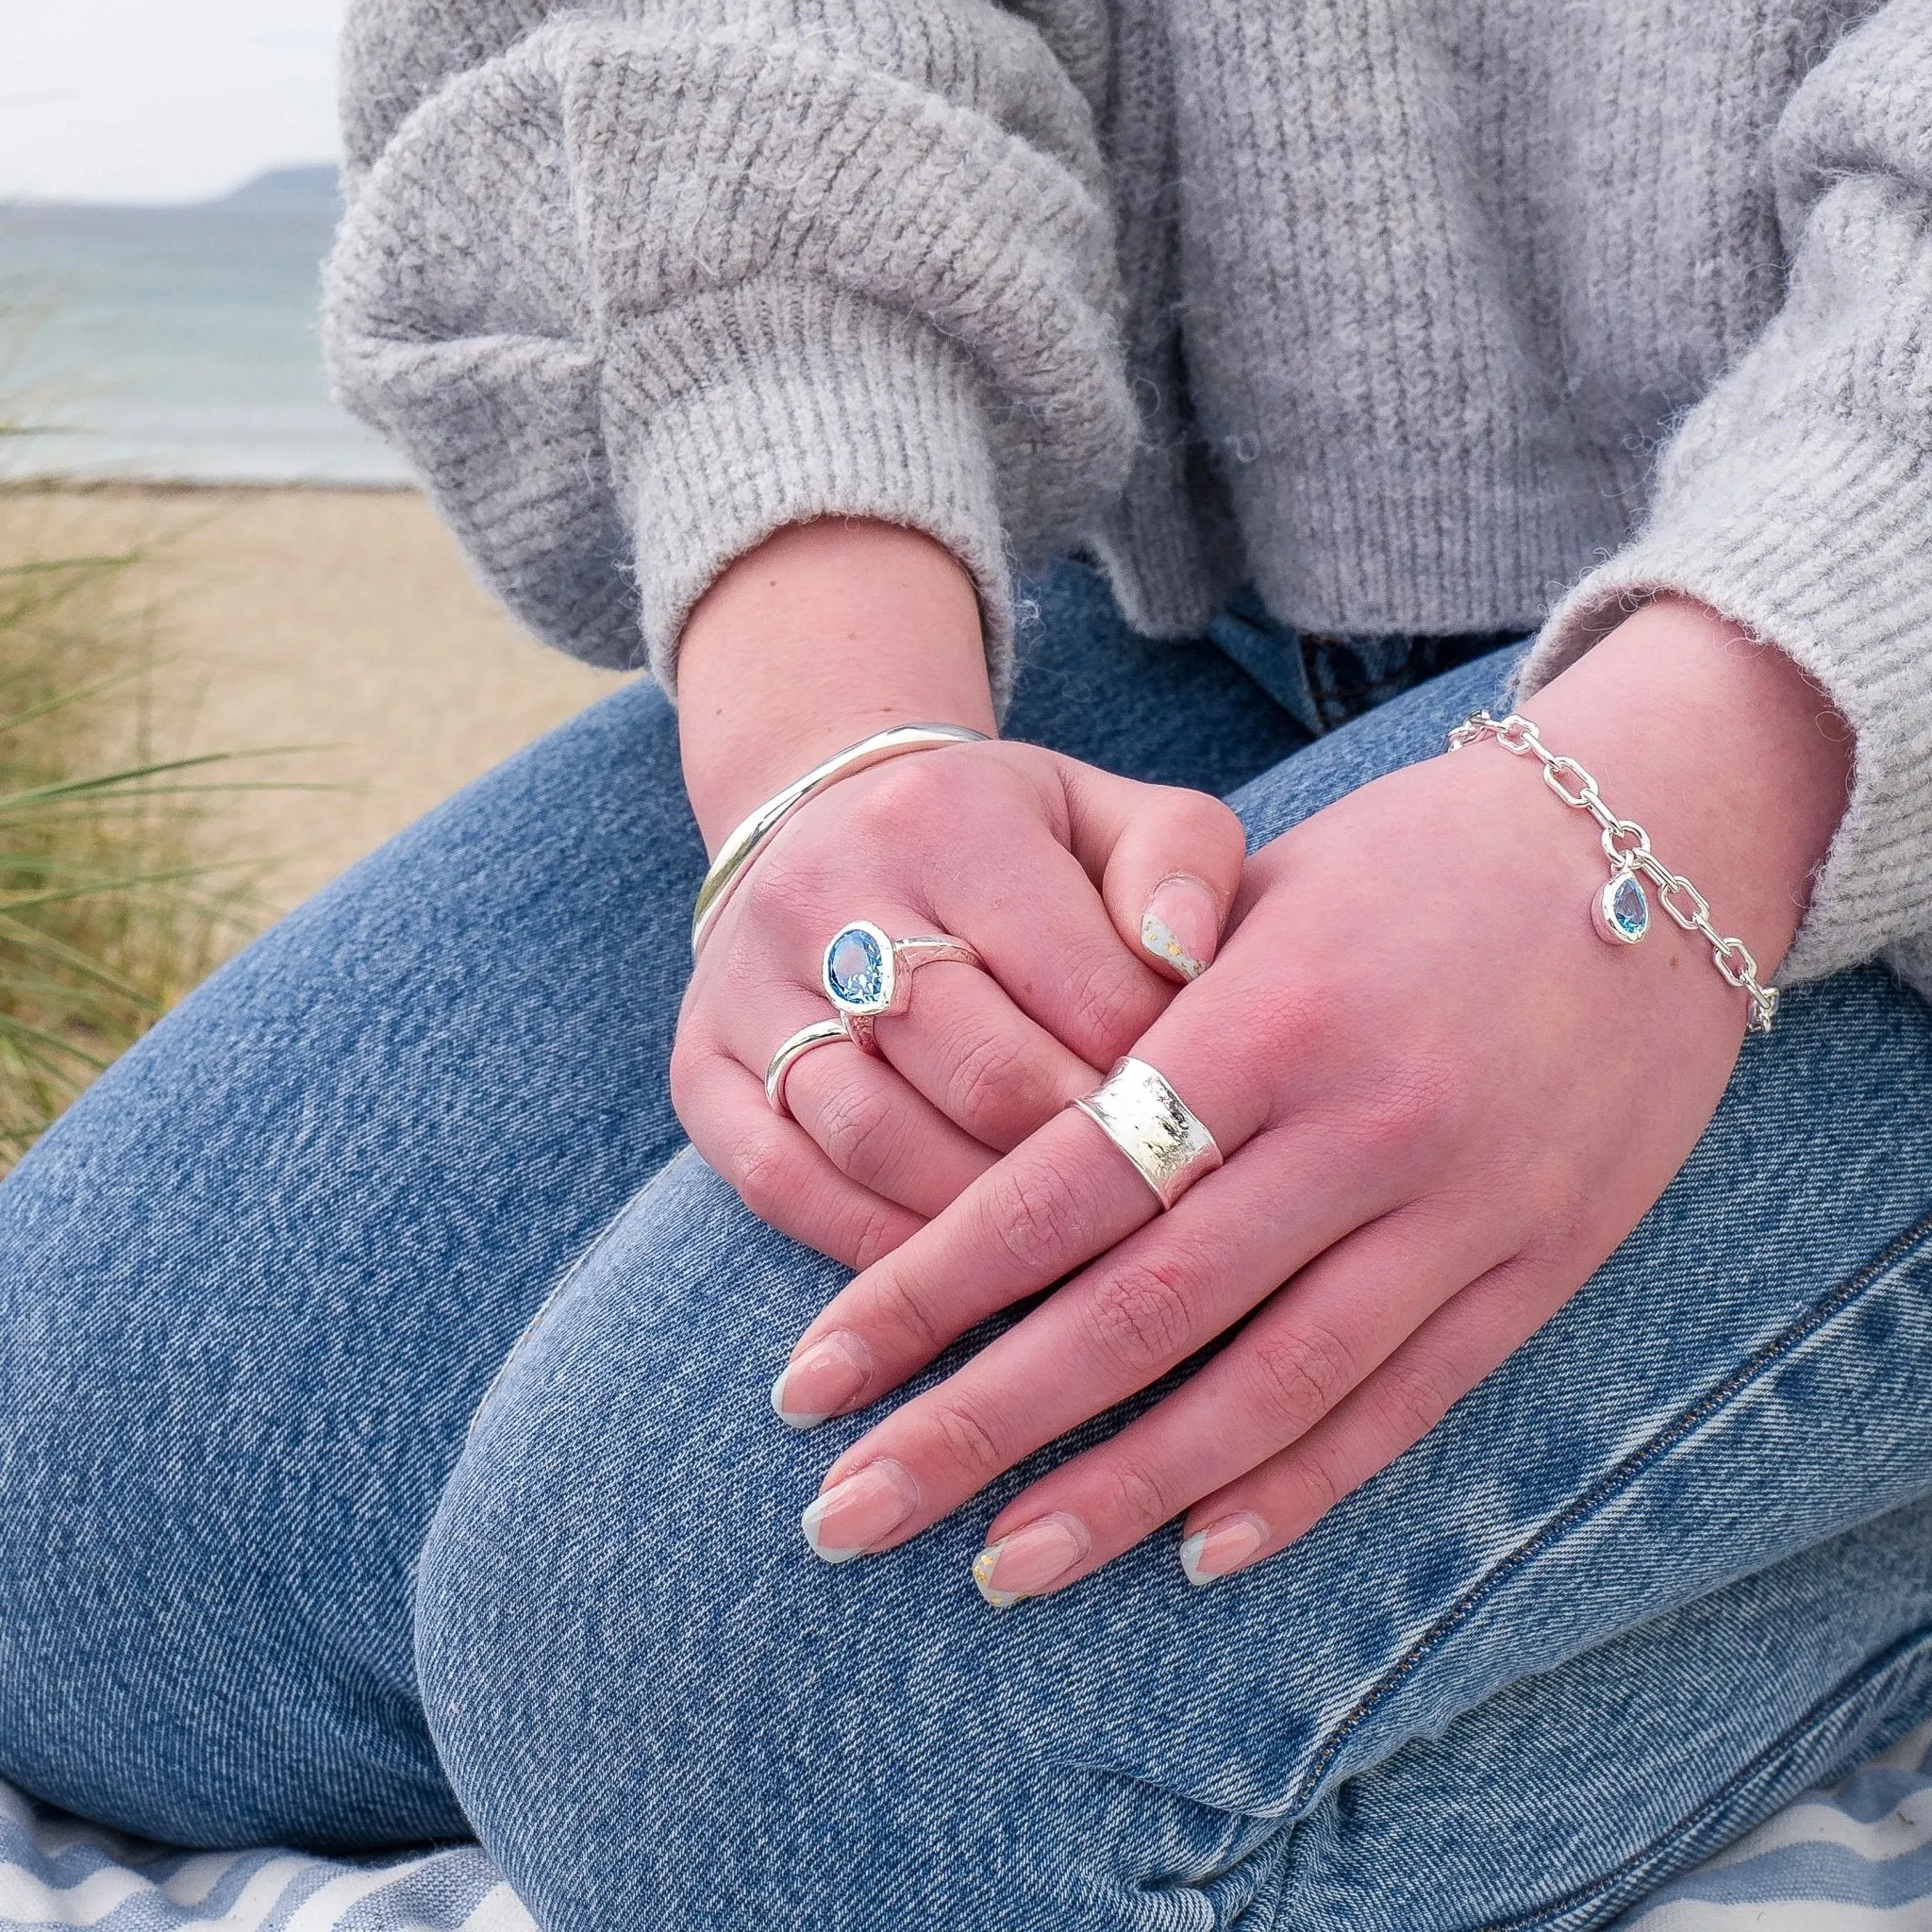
x=1614 y=924
x=885 y=970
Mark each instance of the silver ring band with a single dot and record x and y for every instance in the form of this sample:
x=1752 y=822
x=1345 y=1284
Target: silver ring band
x=820 y=1033
x=1153 y=1127
x=868 y=975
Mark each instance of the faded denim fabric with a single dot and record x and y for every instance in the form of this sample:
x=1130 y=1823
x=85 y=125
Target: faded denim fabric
x=1668 y=1567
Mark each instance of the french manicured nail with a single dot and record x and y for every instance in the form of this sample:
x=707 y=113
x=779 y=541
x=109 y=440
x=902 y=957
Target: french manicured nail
x=1182 y=925
x=1030 y=1559
x=821 y=1381
x=851 y=1517
x=1221 y=1547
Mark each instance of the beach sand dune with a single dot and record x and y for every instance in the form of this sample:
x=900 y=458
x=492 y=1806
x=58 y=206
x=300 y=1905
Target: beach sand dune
x=341 y=620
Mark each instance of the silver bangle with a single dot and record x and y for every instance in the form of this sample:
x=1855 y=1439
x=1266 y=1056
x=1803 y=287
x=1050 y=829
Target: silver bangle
x=1620 y=911
x=735 y=852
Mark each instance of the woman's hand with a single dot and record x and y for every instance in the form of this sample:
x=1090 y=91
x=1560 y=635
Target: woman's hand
x=1088 y=897
x=1050 y=869
x=1443 y=1102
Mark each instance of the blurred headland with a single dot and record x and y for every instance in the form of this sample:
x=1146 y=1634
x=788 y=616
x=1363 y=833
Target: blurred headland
x=178 y=343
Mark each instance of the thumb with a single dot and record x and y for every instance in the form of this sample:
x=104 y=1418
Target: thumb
x=1167 y=862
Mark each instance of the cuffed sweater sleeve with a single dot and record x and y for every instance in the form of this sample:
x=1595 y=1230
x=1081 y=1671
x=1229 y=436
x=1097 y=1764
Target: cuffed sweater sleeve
x=1796 y=498
x=636 y=287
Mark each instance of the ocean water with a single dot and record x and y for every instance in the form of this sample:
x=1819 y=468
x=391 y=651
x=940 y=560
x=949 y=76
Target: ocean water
x=172 y=343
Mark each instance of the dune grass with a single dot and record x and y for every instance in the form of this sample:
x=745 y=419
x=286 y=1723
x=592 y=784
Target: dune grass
x=107 y=913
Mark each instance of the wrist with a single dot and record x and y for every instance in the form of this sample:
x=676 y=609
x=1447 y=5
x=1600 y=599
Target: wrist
x=824 y=634
x=1726 y=752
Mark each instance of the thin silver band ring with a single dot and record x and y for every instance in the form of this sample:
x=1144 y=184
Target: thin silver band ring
x=820 y=1033
x=1141 y=1114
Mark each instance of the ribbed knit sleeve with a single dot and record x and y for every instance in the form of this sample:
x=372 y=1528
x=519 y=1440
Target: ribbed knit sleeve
x=636 y=287
x=1796 y=498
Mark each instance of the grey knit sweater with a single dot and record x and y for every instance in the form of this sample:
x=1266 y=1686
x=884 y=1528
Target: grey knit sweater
x=1424 y=315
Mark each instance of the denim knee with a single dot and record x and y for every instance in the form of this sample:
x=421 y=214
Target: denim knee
x=657 y=1707
x=198 y=1627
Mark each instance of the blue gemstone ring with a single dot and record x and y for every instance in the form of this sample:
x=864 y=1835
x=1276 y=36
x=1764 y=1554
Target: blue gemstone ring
x=867 y=975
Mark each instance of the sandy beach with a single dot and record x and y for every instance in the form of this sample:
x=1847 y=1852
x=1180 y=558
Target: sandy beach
x=343 y=621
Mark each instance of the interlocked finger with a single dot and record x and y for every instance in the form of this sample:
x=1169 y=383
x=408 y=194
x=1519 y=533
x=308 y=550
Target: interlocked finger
x=1141 y=1310
x=979 y=1059
x=781 y=1172
x=1301 y=1357
x=1394 y=1407
x=878 y=1130
x=1065 y=1196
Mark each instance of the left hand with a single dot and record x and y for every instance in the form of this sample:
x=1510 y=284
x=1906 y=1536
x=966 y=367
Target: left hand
x=1419 y=1061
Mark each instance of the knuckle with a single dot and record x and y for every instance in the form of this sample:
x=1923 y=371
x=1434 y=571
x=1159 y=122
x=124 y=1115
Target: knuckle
x=1109 y=1005
x=1409 y=1111
x=857 y=1125
x=1413 y=1397
x=1291 y=1014
x=969 y=1441
x=1317 y=1487
x=764 y=1170
x=920 y=789
x=687 y=1075
x=778 y=896
x=914 y=803
x=1142 y=1316
x=991 y=1088
x=902 y=1307
x=1303 y=1371
x=1141 y=1495
x=879 y=1231
x=1037 y=1214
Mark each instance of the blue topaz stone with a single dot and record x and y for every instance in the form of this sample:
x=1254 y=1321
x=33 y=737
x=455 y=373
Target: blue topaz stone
x=859 y=969
x=1622 y=911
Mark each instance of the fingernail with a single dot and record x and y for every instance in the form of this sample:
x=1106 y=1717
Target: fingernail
x=850 y=1517
x=1030 y=1559
x=1182 y=925
x=821 y=1381
x=1222 y=1546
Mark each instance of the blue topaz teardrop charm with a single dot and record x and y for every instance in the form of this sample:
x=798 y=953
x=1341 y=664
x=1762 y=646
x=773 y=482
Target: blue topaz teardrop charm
x=1621 y=912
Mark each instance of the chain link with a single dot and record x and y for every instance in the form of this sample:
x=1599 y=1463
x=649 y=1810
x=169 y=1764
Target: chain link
x=1627 y=846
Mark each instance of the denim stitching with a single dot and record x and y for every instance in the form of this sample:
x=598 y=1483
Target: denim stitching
x=1900 y=1659
x=1595 y=1498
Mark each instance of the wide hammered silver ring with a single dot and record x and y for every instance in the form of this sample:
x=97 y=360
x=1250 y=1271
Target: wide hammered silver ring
x=820 y=1033
x=1153 y=1127
x=867 y=975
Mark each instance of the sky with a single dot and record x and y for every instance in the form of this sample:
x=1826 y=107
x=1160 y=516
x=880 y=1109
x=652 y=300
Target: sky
x=161 y=100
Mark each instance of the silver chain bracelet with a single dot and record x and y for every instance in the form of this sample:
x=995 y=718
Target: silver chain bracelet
x=1620 y=911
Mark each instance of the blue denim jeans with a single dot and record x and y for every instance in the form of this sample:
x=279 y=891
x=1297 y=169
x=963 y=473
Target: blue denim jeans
x=261 y=1579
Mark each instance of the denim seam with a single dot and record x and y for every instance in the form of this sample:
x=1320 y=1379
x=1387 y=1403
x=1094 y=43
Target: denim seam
x=1899 y=1660
x=1600 y=1493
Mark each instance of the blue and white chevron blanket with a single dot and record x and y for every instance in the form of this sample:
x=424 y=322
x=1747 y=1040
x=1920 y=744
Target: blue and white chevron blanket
x=1855 y=1858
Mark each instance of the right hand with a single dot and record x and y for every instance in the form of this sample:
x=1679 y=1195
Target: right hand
x=1049 y=868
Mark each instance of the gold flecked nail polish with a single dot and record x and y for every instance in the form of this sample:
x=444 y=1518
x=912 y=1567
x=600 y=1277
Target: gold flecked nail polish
x=982 y=1574
x=1160 y=940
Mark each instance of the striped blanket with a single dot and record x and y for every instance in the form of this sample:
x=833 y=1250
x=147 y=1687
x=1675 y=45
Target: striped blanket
x=1857 y=1858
